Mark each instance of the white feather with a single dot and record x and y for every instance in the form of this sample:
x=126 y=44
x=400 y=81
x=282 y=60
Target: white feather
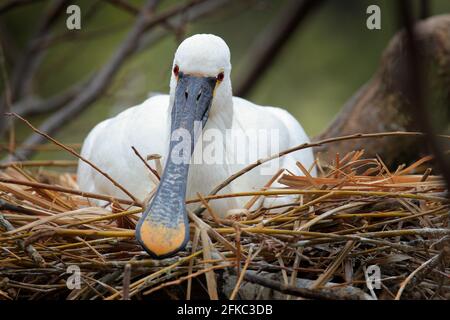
x=147 y=128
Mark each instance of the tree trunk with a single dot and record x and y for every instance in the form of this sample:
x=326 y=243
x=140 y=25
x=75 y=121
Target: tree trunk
x=381 y=104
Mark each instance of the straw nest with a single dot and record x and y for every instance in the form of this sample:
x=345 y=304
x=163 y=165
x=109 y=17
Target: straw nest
x=356 y=221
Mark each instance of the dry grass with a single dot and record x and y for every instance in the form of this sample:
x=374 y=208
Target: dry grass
x=354 y=215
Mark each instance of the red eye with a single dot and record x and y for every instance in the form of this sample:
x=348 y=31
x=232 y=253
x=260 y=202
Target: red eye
x=176 y=70
x=220 y=76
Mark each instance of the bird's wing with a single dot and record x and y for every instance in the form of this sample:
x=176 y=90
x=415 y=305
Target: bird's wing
x=290 y=132
x=109 y=144
x=297 y=136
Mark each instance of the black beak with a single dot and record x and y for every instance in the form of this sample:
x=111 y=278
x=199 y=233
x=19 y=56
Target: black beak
x=163 y=229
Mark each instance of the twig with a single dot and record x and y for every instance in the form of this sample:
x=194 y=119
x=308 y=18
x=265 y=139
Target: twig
x=210 y=275
x=191 y=263
x=328 y=273
x=332 y=193
x=126 y=282
x=76 y=154
x=155 y=173
x=310 y=145
x=413 y=274
x=68 y=190
x=188 y=277
x=242 y=274
x=40 y=163
x=29 y=249
x=322 y=294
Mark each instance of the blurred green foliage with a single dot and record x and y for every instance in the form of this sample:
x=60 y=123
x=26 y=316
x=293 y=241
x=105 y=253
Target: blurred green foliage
x=328 y=58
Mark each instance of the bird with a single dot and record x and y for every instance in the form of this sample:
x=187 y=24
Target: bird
x=203 y=135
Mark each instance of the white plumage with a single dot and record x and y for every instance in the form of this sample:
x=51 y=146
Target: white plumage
x=147 y=128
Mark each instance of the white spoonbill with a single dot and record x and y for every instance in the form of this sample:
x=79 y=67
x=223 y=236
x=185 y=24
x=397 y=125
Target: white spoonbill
x=200 y=94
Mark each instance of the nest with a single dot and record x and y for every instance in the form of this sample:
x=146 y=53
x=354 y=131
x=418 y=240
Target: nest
x=357 y=231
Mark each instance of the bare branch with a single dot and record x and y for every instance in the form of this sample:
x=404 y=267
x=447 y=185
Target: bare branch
x=33 y=105
x=21 y=80
x=98 y=84
x=414 y=88
x=9 y=45
x=5 y=7
x=270 y=42
x=384 y=103
x=322 y=294
x=76 y=154
x=175 y=21
x=135 y=42
x=125 y=6
x=425 y=9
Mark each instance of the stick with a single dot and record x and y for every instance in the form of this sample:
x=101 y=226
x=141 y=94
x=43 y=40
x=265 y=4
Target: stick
x=76 y=154
x=322 y=294
x=314 y=144
x=68 y=190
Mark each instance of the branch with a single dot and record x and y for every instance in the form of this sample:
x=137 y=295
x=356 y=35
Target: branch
x=337 y=293
x=135 y=42
x=9 y=44
x=179 y=16
x=385 y=102
x=414 y=88
x=98 y=84
x=24 y=70
x=311 y=145
x=5 y=7
x=270 y=42
x=125 y=6
x=22 y=76
x=73 y=152
x=425 y=9
x=33 y=105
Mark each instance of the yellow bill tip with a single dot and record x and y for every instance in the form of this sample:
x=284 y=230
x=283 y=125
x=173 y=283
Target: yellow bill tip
x=160 y=240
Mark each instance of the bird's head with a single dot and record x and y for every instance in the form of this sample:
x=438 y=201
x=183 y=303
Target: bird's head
x=203 y=59
x=200 y=85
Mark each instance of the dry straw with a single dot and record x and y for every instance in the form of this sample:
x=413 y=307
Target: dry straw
x=354 y=215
